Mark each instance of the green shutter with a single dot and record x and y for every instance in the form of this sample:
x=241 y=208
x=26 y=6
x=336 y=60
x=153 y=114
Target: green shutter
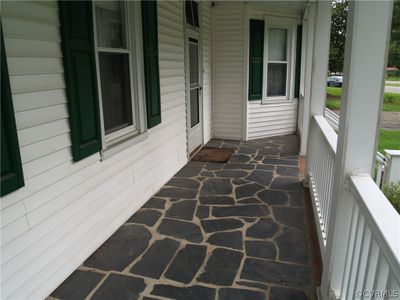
x=11 y=169
x=256 y=55
x=298 y=61
x=80 y=77
x=151 y=69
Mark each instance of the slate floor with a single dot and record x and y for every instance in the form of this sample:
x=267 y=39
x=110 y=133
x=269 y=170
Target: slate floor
x=214 y=231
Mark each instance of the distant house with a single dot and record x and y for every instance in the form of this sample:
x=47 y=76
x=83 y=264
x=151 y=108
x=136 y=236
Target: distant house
x=392 y=71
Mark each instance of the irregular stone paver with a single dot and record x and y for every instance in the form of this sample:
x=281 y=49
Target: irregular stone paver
x=241 y=210
x=152 y=264
x=264 y=228
x=179 y=229
x=232 y=230
x=182 y=210
x=120 y=287
x=78 y=285
x=186 y=264
x=222 y=267
x=261 y=249
x=221 y=224
x=120 y=249
x=232 y=239
x=194 y=292
x=239 y=294
x=276 y=272
x=216 y=200
x=147 y=217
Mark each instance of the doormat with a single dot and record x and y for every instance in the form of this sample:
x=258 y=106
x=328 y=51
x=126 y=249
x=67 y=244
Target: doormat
x=218 y=155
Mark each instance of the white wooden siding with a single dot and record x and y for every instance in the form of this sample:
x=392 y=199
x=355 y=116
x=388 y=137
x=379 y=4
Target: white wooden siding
x=207 y=70
x=67 y=209
x=228 y=60
x=271 y=119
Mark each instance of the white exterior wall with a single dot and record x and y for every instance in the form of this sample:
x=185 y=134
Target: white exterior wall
x=228 y=63
x=66 y=209
x=206 y=24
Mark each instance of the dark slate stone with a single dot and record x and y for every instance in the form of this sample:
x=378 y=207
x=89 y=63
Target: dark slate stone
x=124 y=246
x=282 y=162
x=149 y=298
x=248 y=190
x=120 y=287
x=157 y=203
x=287 y=183
x=216 y=186
x=239 y=181
x=221 y=267
x=287 y=171
x=231 y=239
x=195 y=292
x=261 y=249
x=156 y=258
x=240 y=210
x=207 y=174
x=216 y=200
x=186 y=263
x=253 y=284
x=239 y=158
x=248 y=220
x=182 y=210
x=296 y=199
x=239 y=166
x=220 y=224
x=270 y=151
x=275 y=272
x=265 y=167
x=265 y=228
x=215 y=143
x=272 y=197
x=189 y=171
x=261 y=177
x=293 y=246
x=203 y=212
x=212 y=166
x=290 y=216
x=231 y=173
x=184 y=183
x=182 y=230
x=177 y=193
x=78 y=285
x=249 y=201
x=147 y=217
x=240 y=294
x=247 y=150
x=283 y=293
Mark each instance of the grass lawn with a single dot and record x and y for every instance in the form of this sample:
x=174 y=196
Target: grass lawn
x=391 y=102
x=389 y=139
x=392 y=84
x=392 y=78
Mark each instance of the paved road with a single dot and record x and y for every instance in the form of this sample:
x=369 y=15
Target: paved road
x=392 y=89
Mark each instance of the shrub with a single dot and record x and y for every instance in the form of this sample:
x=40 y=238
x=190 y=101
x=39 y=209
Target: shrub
x=392 y=192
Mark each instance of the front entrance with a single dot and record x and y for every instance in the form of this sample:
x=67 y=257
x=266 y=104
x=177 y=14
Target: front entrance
x=193 y=91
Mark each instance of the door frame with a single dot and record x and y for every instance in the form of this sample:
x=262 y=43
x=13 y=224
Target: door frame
x=195 y=34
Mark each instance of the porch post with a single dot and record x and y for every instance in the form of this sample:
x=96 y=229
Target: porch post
x=368 y=28
x=316 y=90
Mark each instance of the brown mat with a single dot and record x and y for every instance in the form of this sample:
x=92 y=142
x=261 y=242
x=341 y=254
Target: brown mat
x=219 y=155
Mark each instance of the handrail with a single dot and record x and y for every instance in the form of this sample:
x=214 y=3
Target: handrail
x=328 y=133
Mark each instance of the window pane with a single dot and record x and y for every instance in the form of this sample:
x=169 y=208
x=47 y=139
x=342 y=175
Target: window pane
x=192 y=13
x=115 y=91
x=110 y=23
x=277 y=38
x=193 y=61
x=276 y=83
x=194 y=107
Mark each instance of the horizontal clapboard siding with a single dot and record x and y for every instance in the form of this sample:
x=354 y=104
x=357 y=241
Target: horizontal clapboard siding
x=228 y=62
x=207 y=70
x=265 y=120
x=66 y=209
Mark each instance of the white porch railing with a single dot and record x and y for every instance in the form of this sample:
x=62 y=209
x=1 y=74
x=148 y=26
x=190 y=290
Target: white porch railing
x=380 y=161
x=370 y=241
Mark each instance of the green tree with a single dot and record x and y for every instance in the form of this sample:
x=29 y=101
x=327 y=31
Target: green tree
x=394 y=46
x=338 y=35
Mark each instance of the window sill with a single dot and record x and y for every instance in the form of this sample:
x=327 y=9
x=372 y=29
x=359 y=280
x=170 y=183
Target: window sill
x=123 y=144
x=278 y=101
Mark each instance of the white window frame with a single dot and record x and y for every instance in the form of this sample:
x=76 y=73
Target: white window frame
x=133 y=29
x=290 y=25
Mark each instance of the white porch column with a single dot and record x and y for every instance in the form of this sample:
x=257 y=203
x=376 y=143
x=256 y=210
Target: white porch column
x=314 y=102
x=368 y=28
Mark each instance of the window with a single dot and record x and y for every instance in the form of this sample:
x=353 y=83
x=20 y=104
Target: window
x=114 y=53
x=277 y=62
x=192 y=13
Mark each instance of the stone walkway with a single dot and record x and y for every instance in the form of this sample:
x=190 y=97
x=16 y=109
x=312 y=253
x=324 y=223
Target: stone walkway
x=214 y=231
